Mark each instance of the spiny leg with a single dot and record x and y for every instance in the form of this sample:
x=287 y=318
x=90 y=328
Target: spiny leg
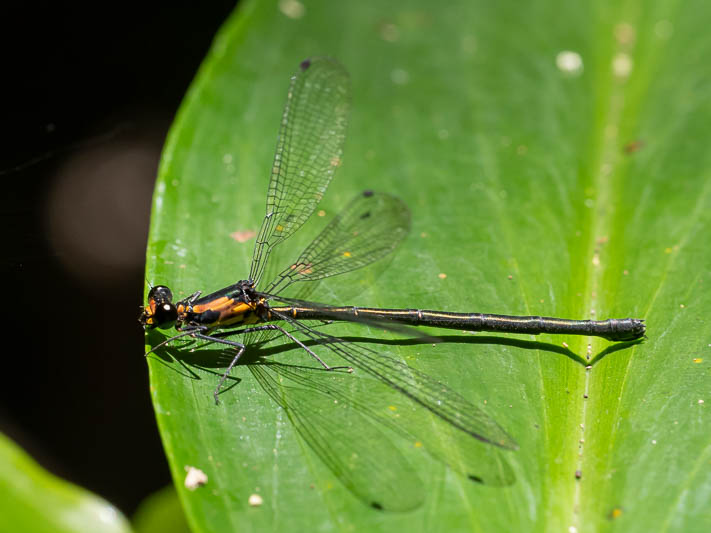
x=240 y=350
x=266 y=327
x=219 y=338
x=183 y=333
x=308 y=350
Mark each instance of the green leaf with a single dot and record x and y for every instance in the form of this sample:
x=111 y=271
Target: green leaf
x=33 y=500
x=161 y=511
x=555 y=160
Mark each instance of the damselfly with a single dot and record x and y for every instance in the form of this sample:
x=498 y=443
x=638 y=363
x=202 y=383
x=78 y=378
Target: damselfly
x=309 y=149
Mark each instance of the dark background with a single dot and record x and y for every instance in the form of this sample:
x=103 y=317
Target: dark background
x=89 y=94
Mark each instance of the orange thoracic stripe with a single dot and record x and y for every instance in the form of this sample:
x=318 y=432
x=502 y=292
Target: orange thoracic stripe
x=218 y=304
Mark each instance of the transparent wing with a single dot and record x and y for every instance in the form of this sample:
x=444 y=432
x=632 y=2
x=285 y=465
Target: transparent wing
x=422 y=389
x=346 y=438
x=370 y=227
x=330 y=408
x=309 y=149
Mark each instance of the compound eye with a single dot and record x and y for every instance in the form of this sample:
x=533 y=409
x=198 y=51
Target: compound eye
x=160 y=293
x=165 y=315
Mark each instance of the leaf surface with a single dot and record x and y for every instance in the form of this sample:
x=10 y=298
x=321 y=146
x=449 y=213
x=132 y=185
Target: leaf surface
x=555 y=161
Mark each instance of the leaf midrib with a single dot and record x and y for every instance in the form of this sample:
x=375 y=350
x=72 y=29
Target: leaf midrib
x=607 y=165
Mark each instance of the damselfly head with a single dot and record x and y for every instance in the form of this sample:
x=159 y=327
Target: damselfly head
x=160 y=311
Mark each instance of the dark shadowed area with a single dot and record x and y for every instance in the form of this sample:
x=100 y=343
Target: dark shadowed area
x=89 y=96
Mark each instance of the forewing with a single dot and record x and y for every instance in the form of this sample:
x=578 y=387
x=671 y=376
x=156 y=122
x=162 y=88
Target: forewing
x=309 y=149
